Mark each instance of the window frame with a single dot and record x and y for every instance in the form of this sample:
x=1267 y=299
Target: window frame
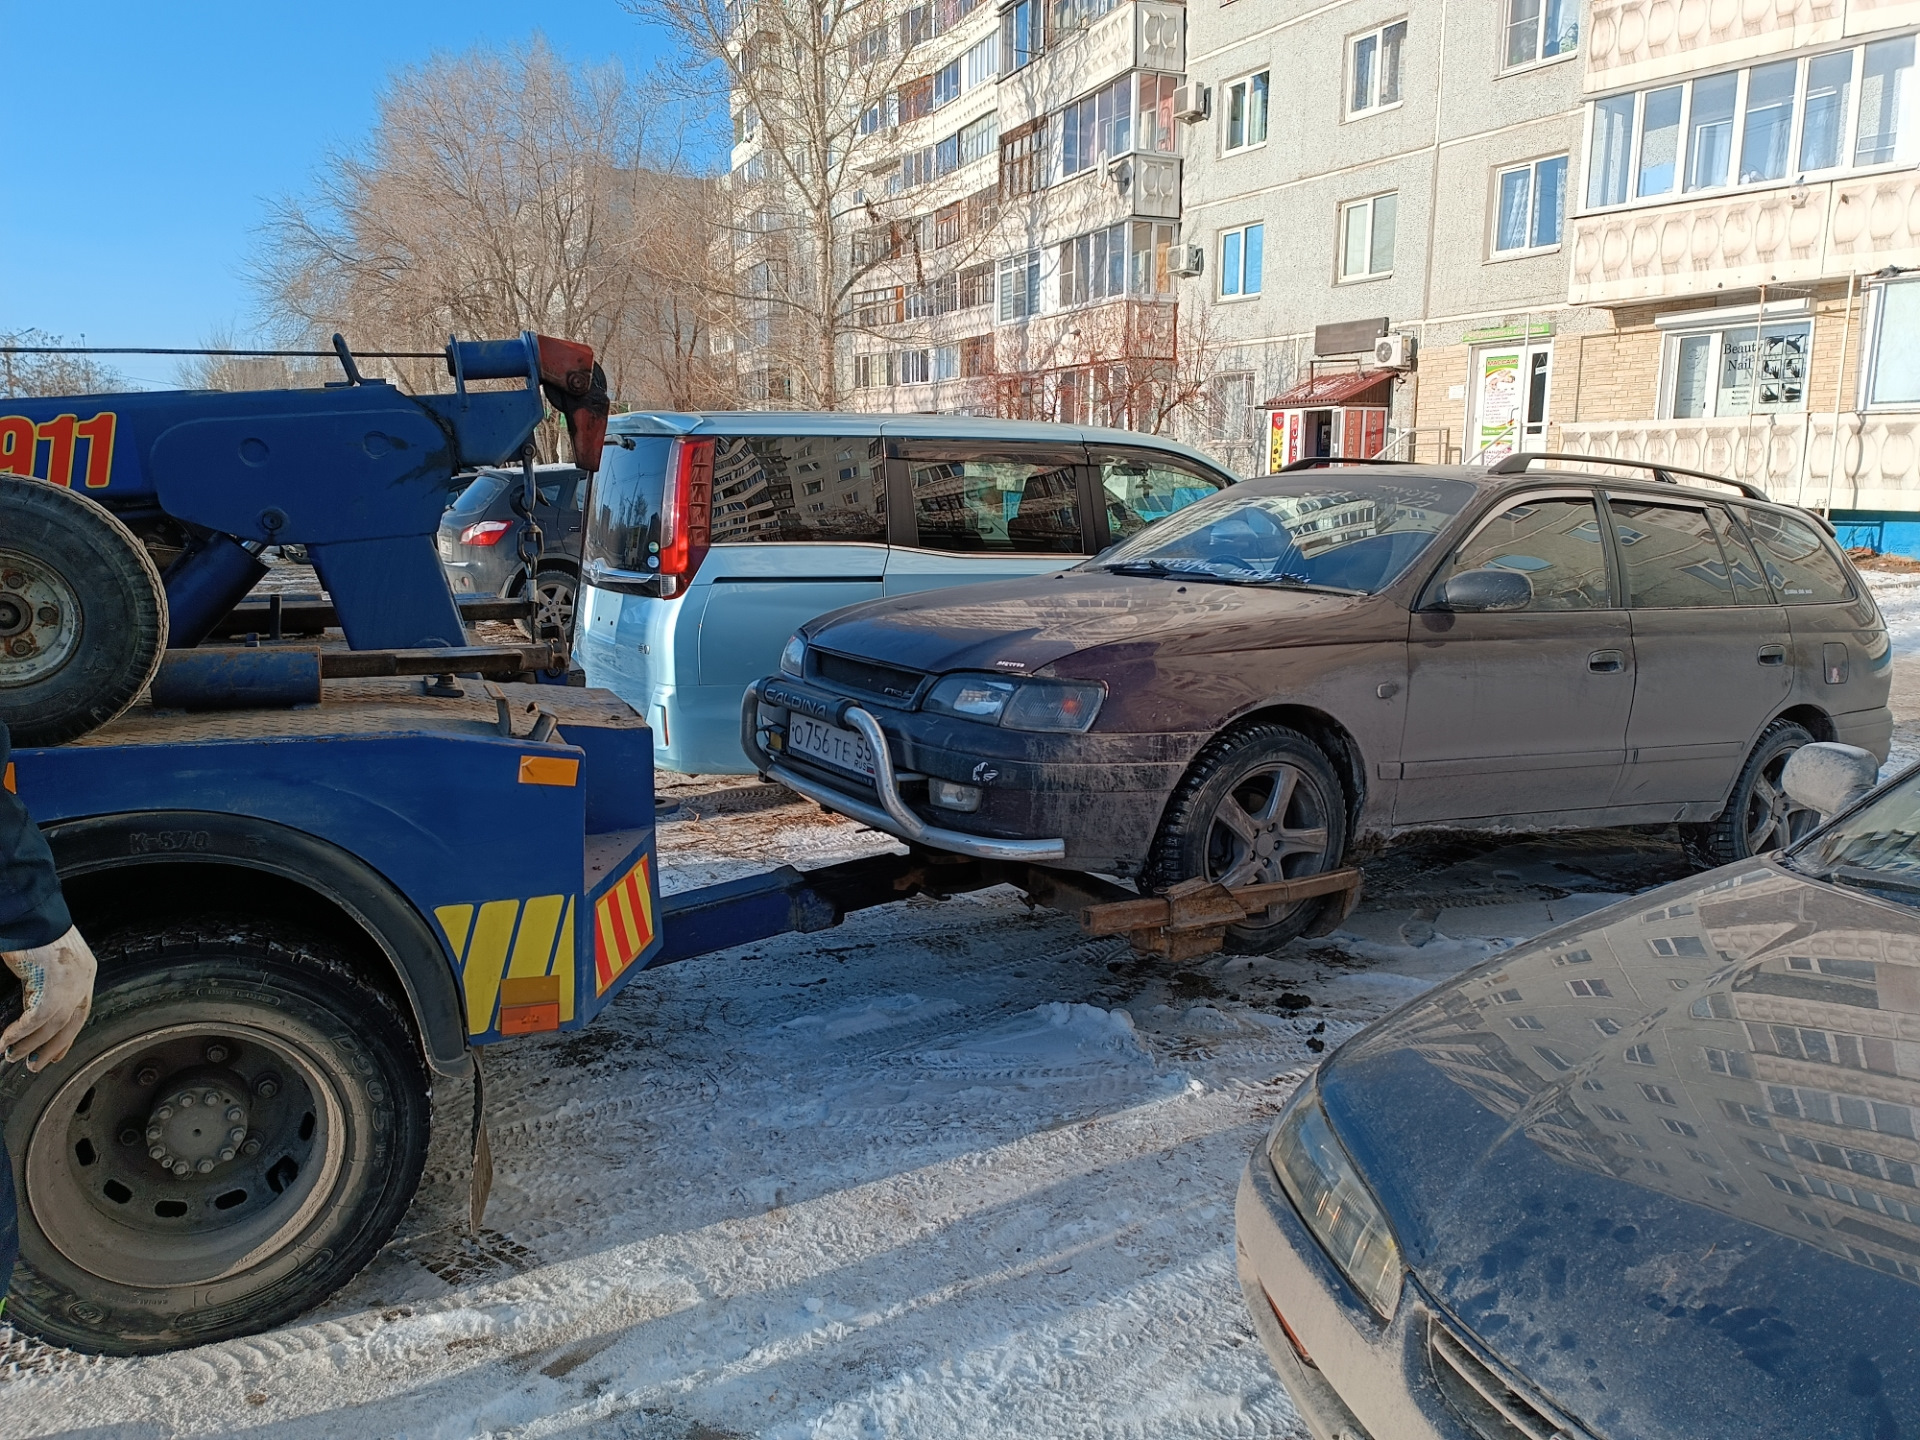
x=1872 y=340
x=1032 y=290
x=1264 y=73
x=1672 y=339
x=1532 y=167
x=1592 y=495
x=1221 y=294
x=1350 y=68
x=1340 y=237
x=1538 y=60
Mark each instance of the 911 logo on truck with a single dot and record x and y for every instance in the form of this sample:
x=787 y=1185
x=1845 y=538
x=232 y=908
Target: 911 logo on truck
x=72 y=446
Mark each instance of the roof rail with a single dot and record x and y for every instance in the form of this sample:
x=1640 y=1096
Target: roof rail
x=1322 y=462
x=1521 y=461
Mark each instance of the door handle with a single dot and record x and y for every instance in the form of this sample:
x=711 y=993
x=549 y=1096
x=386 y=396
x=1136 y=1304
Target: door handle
x=1773 y=655
x=1606 y=662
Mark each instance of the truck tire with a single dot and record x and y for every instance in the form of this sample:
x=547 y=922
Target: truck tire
x=1259 y=803
x=1759 y=817
x=83 y=617
x=237 y=1130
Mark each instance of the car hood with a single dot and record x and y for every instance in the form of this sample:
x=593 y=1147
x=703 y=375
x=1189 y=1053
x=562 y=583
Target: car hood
x=1660 y=1161
x=1025 y=624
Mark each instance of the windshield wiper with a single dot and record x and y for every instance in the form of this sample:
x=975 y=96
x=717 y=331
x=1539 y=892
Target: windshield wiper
x=1159 y=569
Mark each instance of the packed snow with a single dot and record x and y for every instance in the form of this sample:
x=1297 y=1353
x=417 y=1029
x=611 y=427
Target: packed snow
x=952 y=1169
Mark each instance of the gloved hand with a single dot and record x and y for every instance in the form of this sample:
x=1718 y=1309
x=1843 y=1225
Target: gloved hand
x=57 y=994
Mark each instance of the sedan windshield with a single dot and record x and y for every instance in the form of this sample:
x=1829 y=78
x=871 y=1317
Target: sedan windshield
x=1876 y=848
x=1358 y=536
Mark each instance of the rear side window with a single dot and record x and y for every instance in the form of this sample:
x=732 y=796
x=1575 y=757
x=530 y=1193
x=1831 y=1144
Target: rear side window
x=1556 y=544
x=804 y=487
x=475 y=499
x=1140 y=488
x=1673 y=560
x=1803 y=570
x=969 y=504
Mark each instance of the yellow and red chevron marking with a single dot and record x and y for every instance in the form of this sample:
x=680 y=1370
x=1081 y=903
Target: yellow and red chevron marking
x=622 y=925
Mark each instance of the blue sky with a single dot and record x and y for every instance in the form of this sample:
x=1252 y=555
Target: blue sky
x=159 y=131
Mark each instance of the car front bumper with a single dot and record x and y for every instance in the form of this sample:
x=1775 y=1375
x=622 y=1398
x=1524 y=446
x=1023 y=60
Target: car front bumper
x=1088 y=802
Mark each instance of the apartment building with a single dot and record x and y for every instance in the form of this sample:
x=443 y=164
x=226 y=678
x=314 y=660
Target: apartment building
x=1372 y=168
x=1748 y=225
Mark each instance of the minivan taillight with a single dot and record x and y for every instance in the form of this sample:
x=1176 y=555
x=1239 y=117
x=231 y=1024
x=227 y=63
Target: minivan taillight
x=686 y=517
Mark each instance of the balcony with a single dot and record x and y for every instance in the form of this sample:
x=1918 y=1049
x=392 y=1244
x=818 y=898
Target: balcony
x=1739 y=239
x=1851 y=461
x=1629 y=42
x=1143 y=35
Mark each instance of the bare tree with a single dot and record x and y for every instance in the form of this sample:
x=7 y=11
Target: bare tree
x=502 y=191
x=30 y=375
x=248 y=372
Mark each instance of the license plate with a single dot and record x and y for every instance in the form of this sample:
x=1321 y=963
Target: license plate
x=446 y=548
x=842 y=749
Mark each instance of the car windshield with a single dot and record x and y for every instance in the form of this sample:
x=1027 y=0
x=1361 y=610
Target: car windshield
x=1876 y=848
x=1357 y=535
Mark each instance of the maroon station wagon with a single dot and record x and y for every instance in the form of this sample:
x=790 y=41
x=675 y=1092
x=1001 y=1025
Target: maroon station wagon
x=1248 y=689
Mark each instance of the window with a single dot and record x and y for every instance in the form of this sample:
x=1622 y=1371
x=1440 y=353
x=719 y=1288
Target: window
x=1727 y=1062
x=946 y=225
x=1893 y=345
x=1096 y=127
x=1659 y=1094
x=1608 y=1112
x=977 y=141
x=1373 y=67
x=754 y=484
x=1766 y=125
x=884 y=306
x=1094 y=266
x=965 y=503
x=976 y=285
x=1529 y=202
x=1574 y=957
x=1722 y=1186
x=1738 y=370
x=1525 y=1022
x=981 y=63
x=1552 y=1057
x=1607 y=1026
x=1139 y=487
x=1595 y=988
x=946 y=84
x=1634 y=1140
x=1638 y=1055
x=1803 y=569
x=1673 y=562
x=946 y=362
x=1679 y=1127
x=1366 y=237
x=1247 y=112
x=976 y=355
x=1019 y=37
x=1021 y=170
x=1241 y=253
x=914 y=367
x=1153 y=127
x=1151 y=243
x=1020 y=286
x=1541 y=29
x=1672 y=944
x=916 y=26
x=1556 y=544
x=1066 y=16
x=1230 y=406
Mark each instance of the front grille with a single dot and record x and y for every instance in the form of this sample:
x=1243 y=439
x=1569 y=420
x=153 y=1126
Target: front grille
x=1493 y=1408
x=887 y=683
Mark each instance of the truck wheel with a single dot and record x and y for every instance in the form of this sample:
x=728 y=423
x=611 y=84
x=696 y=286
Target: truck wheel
x=1759 y=817
x=83 y=618
x=1259 y=804
x=239 y=1127
x=554 y=595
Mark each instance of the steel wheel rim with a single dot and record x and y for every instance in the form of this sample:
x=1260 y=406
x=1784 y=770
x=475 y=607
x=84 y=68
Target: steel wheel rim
x=131 y=1241
x=1773 y=820
x=1270 y=826
x=40 y=619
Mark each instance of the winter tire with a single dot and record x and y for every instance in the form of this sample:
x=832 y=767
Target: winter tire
x=555 y=592
x=83 y=618
x=1260 y=803
x=239 y=1127
x=1759 y=817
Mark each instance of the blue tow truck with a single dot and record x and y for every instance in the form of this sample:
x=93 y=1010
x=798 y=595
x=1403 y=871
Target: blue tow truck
x=326 y=849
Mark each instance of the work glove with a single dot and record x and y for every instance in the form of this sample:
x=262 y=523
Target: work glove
x=56 y=985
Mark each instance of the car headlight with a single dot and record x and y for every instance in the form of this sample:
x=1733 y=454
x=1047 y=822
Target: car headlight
x=1334 y=1201
x=1069 y=706
x=793 y=659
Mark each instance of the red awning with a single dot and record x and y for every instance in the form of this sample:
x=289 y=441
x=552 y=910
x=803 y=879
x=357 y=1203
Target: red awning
x=1349 y=387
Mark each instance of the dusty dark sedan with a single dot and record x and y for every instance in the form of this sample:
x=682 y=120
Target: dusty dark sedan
x=1242 y=691
x=1655 y=1174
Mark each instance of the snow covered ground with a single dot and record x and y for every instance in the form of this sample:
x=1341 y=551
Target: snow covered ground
x=952 y=1169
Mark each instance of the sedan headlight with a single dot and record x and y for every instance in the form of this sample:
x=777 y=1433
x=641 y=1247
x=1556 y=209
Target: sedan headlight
x=793 y=659
x=1068 y=706
x=1334 y=1201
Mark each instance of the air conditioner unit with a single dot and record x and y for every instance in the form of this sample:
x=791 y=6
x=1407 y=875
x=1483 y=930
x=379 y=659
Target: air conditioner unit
x=1192 y=103
x=1395 y=352
x=1186 y=260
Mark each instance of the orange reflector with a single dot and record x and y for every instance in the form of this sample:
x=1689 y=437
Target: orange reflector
x=549 y=770
x=529 y=1003
x=1292 y=1339
x=6 y=780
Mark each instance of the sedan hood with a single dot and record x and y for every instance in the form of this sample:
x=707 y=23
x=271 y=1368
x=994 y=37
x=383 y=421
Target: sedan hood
x=1024 y=624
x=1666 y=1163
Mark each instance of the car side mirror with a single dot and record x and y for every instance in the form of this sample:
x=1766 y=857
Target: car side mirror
x=1827 y=778
x=1477 y=590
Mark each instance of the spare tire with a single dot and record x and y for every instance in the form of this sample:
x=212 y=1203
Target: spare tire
x=83 y=617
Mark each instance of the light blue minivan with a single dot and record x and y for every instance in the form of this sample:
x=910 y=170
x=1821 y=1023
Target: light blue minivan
x=713 y=536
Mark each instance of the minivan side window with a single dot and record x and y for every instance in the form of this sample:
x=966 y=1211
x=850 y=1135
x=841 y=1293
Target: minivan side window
x=1138 y=489
x=996 y=505
x=1801 y=567
x=1672 y=559
x=798 y=487
x=1556 y=544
